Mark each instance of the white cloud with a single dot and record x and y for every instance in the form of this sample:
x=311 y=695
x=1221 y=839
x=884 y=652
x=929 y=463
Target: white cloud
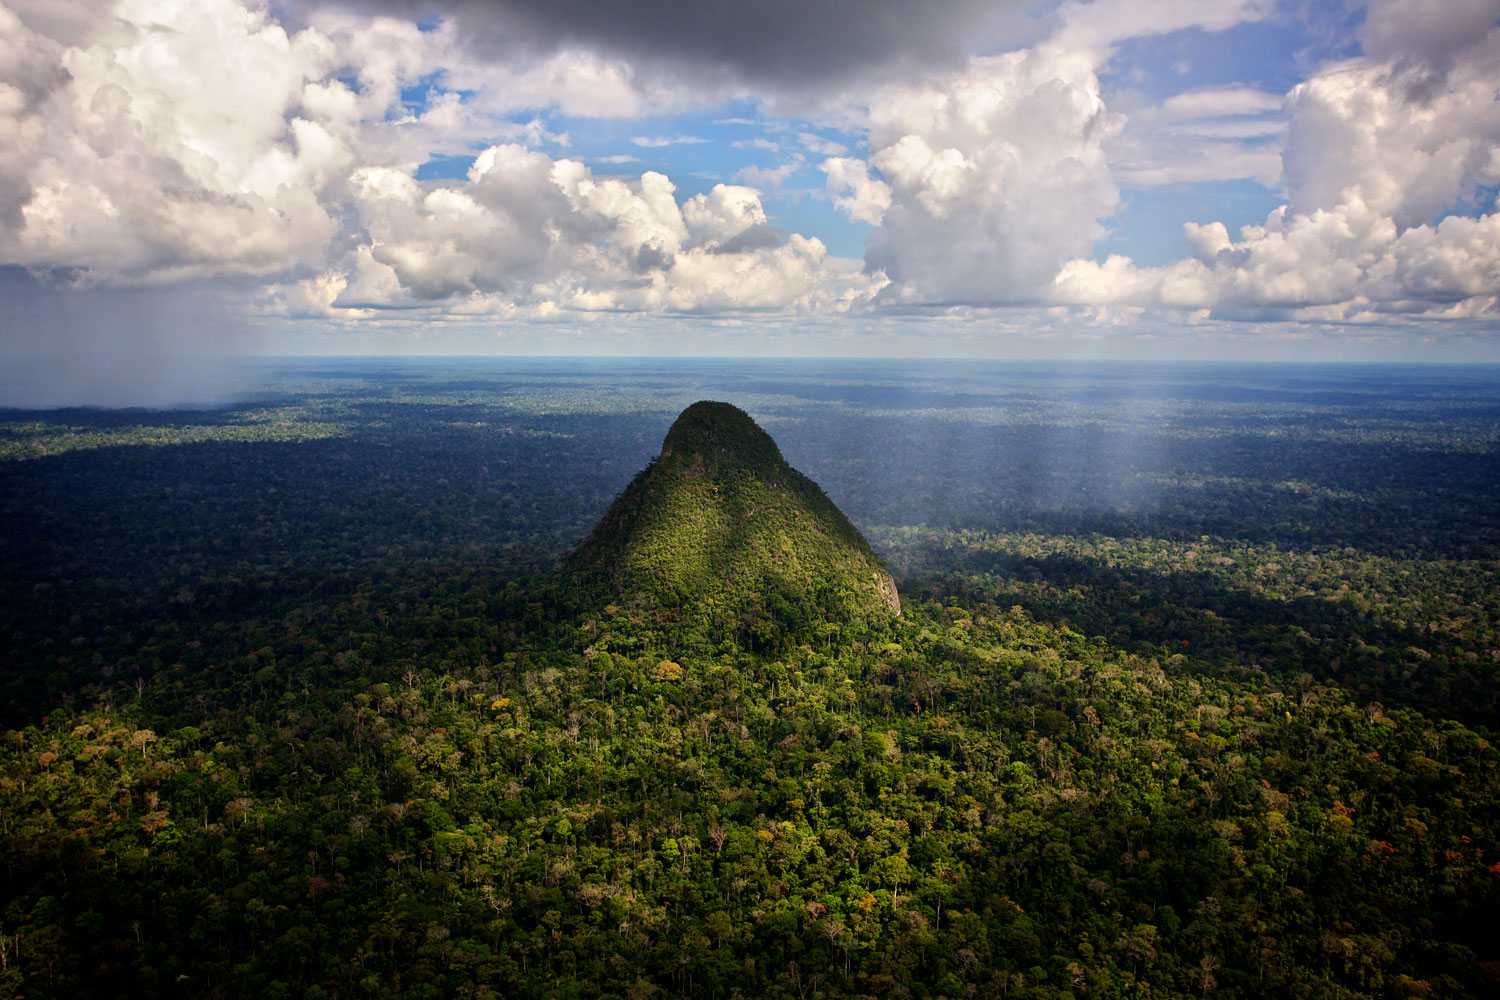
x=190 y=140
x=526 y=229
x=30 y=71
x=67 y=22
x=1250 y=128
x=387 y=53
x=1377 y=148
x=770 y=178
x=1094 y=27
x=575 y=82
x=723 y=213
x=1197 y=160
x=178 y=152
x=821 y=146
x=1410 y=153
x=788 y=276
x=1342 y=262
x=855 y=193
x=1292 y=261
x=657 y=142
x=1217 y=102
x=1214 y=134
x=992 y=178
x=161 y=141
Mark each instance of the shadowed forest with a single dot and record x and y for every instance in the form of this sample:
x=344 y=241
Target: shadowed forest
x=1193 y=692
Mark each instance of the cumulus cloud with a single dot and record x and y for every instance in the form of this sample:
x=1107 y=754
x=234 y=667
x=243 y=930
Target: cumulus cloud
x=991 y=178
x=984 y=181
x=855 y=193
x=989 y=186
x=532 y=229
x=1337 y=263
x=1425 y=35
x=573 y=81
x=187 y=140
x=158 y=141
x=385 y=54
x=172 y=153
x=30 y=72
x=1359 y=126
x=1374 y=155
x=161 y=141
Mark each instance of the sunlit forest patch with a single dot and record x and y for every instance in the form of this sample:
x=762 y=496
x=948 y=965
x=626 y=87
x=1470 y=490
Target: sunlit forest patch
x=32 y=439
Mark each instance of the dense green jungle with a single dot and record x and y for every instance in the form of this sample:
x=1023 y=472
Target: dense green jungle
x=1193 y=692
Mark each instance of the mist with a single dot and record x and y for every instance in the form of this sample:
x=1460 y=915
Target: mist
x=150 y=348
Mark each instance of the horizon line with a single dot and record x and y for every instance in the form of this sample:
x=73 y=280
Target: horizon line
x=904 y=359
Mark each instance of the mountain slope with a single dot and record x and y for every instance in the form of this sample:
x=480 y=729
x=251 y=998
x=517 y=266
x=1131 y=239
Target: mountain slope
x=720 y=520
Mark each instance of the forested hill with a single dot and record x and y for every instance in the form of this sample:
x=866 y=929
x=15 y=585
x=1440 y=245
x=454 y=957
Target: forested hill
x=720 y=524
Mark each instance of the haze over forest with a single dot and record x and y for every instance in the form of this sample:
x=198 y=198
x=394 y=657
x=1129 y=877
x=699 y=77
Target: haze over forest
x=1157 y=179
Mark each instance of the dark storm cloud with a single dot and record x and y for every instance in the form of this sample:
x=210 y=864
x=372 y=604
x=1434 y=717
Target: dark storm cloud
x=780 y=43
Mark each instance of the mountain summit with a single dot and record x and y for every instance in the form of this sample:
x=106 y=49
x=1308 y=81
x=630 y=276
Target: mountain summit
x=720 y=522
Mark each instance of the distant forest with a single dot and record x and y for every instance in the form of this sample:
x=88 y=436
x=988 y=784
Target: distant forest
x=1194 y=691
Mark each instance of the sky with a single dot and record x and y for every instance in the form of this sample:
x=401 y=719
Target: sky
x=184 y=180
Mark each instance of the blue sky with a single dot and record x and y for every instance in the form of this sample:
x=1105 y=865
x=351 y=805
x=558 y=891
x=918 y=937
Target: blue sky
x=1153 y=178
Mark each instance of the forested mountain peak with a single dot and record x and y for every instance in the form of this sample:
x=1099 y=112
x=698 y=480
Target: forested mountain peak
x=720 y=520
x=716 y=436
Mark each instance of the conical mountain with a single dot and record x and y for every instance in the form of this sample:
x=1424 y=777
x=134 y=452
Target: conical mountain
x=720 y=522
